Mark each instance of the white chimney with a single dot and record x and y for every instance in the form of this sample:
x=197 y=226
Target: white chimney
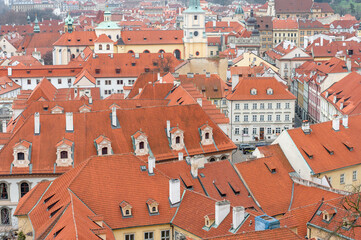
x=90 y=100
x=188 y=159
x=222 y=210
x=174 y=191
x=321 y=41
x=140 y=90
x=114 y=117
x=190 y=75
x=345 y=121
x=348 y=64
x=306 y=127
x=194 y=168
x=235 y=81
x=4 y=126
x=69 y=122
x=336 y=124
x=238 y=215
x=200 y=101
x=151 y=164
x=208 y=74
x=10 y=71
x=180 y=156
x=37 y=123
x=168 y=128
x=305 y=43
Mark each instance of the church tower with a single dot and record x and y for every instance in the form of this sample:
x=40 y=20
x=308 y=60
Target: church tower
x=239 y=13
x=271 y=8
x=36 y=25
x=194 y=31
x=68 y=27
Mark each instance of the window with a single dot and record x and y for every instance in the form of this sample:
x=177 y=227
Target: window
x=206 y=136
x=278 y=105
x=195 y=17
x=253 y=91
x=108 y=47
x=141 y=145
x=120 y=82
x=342 y=178
x=29 y=81
x=236 y=118
x=69 y=80
x=254 y=106
x=245 y=118
x=354 y=175
x=177 y=140
x=254 y=131
x=59 y=81
x=98 y=82
x=269 y=118
x=104 y=151
x=261 y=118
x=21 y=156
x=224 y=102
x=245 y=131
x=108 y=82
x=245 y=106
x=148 y=236
x=4 y=191
x=287 y=117
x=278 y=130
x=63 y=155
x=254 y=118
x=237 y=106
x=269 y=130
x=236 y=131
x=269 y=105
x=129 y=236
x=287 y=105
x=278 y=117
x=165 y=235
x=100 y=47
x=216 y=102
x=5 y=216
x=24 y=188
x=261 y=105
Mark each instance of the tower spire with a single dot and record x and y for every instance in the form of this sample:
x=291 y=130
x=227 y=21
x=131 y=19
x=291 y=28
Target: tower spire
x=36 y=24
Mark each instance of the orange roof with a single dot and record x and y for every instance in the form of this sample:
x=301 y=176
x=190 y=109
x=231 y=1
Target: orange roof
x=103 y=39
x=159 y=37
x=285 y=24
x=77 y=38
x=279 y=234
x=261 y=84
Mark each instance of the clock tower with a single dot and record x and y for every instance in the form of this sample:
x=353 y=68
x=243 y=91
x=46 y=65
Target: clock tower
x=194 y=31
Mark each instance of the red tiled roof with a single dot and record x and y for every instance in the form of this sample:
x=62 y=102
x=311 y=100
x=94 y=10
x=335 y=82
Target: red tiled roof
x=77 y=38
x=103 y=39
x=279 y=234
x=147 y=37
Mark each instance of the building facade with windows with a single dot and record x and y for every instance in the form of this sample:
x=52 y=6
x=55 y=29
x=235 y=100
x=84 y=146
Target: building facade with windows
x=259 y=109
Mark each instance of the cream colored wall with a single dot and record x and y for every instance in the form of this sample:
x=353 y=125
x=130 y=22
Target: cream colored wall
x=139 y=232
x=154 y=48
x=315 y=233
x=185 y=233
x=192 y=48
x=203 y=65
x=250 y=58
x=335 y=177
x=25 y=226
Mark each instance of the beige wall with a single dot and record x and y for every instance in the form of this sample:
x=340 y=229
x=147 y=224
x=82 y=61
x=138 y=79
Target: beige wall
x=348 y=172
x=25 y=226
x=139 y=231
x=154 y=48
x=203 y=65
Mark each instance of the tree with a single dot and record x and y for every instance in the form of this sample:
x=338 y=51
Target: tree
x=165 y=64
x=21 y=236
x=48 y=58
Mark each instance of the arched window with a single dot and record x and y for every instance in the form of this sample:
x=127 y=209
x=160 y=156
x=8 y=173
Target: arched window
x=130 y=51
x=127 y=212
x=177 y=54
x=177 y=140
x=64 y=155
x=223 y=157
x=4 y=191
x=154 y=209
x=110 y=37
x=5 y=216
x=161 y=51
x=146 y=51
x=212 y=160
x=207 y=136
x=118 y=36
x=73 y=56
x=24 y=188
x=141 y=145
x=100 y=47
x=104 y=151
x=108 y=47
x=21 y=156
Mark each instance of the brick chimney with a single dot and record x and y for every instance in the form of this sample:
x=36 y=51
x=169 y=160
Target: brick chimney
x=69 y=122
x=222 y=210
x=174 y=191
x=37 y=123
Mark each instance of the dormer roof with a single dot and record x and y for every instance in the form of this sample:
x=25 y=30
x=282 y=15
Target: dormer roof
x=101 y=138
x=65 y=142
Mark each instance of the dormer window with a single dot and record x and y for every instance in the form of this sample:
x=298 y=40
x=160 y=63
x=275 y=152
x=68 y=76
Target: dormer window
x=84 y=109
x=21 y=154
x=206 y=135
x=253 y=91
x=209 y=220
x=126 y=209
x=57 y=110
x=152 y=207
x=269 y=91
x=64 y=151
x=103 y=145
x=177 y=138
x=327 y=215
x=140 y=143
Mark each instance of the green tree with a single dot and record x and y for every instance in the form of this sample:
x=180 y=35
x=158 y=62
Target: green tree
x=21 y=236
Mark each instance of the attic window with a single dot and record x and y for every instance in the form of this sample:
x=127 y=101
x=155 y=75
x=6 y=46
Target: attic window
x=133 y=64
x=269 y=91
x=53 y=213
x=145 y=39
x=117 y=70
x=90 y=40
x=126 y=209
x=47 y=199
x=129 y=39
x=57 y=232
x=234 y=188
x=50 y=71
x=28 y=71
x=328 y=149
x=152 y=206
x=253 y=91
x=270 y=167
x=97 y=71
x=220 y=189
x=308 y=154
x=146 y=69
x=348 y=146
x=69 y=40
x=52 y=205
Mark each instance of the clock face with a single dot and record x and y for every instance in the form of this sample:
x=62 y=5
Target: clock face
x=196 y=33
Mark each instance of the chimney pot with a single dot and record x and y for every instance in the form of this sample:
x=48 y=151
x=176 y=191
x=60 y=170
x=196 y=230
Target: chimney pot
x=69 y=122
x=222 y=210
x=174 y=191
x=151 y=165
x=37 y=123
x=180 y=156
